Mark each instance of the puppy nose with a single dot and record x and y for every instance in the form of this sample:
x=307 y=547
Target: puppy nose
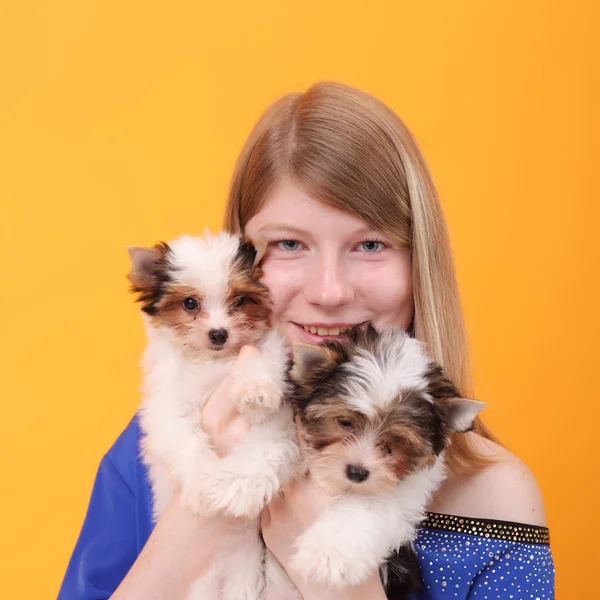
x=218 y=336
x=356 y=473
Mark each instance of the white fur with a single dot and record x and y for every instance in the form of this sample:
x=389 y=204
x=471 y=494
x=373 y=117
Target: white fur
x=401 y=363
x=355 y=536
x=177 y=384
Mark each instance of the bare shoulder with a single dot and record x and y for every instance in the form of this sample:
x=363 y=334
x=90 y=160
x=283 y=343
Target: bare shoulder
x=505 y=491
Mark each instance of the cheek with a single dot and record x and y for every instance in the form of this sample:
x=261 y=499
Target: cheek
x=388 y=292
x=283 y=282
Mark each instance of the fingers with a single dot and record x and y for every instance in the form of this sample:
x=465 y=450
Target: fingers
x=275 y=508
x=236 y=431
x=265 y=518
x=247 y=351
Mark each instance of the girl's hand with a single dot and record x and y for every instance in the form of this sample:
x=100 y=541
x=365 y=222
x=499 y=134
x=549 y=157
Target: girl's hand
x=290 y=514
x=183 y=545
x=220 y=418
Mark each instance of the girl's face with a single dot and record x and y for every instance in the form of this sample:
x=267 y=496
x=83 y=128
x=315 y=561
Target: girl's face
x=327 y=269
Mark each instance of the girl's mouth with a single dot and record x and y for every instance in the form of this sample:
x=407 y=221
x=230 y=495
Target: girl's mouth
x=315 y=333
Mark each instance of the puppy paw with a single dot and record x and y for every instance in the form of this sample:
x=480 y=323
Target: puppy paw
x=240 y=496
x=329 y=563
x=260 y=397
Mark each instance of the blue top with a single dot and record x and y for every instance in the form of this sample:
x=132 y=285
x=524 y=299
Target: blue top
x=460 y=558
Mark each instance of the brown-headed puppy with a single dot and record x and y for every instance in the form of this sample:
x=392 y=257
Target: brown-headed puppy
x=375 y=415
x=201 y=302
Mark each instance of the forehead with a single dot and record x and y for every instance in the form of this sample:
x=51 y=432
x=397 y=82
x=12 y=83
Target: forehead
x=204 y=265
x=288 y=207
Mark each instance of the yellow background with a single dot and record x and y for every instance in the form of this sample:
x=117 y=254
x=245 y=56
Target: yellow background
x=119 y=124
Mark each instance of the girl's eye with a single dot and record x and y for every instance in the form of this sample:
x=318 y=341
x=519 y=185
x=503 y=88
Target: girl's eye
x=190 y=303
x=288 y=245
x=371 y=246
x=345 y=423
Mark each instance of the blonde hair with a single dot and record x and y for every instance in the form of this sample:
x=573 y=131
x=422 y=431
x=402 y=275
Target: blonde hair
x=348 y=150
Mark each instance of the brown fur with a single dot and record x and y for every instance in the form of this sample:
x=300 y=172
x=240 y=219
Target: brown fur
x=244 y=283
x=153 y=282
x=150 y=274
x=170 y=310
x=331 y=428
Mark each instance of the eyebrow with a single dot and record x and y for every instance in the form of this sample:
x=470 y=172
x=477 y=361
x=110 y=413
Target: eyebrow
x=270 y=227
x=279 y=226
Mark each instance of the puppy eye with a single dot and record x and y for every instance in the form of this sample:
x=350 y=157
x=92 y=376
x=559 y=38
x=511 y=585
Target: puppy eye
x=387 y=448
x=345 y=423
x=190 y=303
x=239 y=302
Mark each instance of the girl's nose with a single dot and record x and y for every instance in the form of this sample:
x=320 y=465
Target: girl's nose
x=326 y=283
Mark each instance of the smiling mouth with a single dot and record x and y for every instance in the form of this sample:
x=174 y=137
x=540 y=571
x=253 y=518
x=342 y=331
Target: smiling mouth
x=328 y=331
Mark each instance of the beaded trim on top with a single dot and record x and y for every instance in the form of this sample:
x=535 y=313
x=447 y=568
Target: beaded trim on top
x=501 y=530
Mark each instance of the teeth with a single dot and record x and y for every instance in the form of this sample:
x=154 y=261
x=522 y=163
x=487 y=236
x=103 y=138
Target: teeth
x=324 y=331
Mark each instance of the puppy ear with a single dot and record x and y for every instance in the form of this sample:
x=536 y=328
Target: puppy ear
x=372 y=332
x=438 y=385
x=261 y=248
x=250 y=253
x=143 y=265
x=309 y=359
x=461 y=413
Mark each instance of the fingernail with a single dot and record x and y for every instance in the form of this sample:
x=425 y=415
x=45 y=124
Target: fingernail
x=247 y=351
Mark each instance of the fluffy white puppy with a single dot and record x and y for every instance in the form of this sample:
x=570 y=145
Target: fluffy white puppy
x=202 y=301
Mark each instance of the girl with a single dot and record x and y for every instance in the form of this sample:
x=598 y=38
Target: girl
x=335 y=186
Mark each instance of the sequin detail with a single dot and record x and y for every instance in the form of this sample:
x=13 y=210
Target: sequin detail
x=488 y=528
x=468 y=565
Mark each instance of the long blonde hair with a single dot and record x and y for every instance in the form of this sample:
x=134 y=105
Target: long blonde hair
x=348 y=150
